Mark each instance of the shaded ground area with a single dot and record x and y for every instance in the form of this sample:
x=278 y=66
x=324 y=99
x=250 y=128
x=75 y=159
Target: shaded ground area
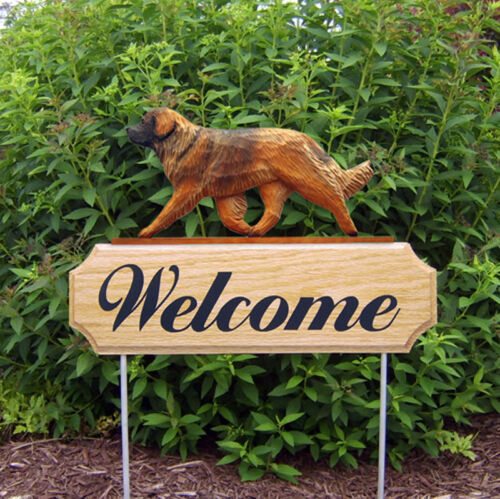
x=91 y=468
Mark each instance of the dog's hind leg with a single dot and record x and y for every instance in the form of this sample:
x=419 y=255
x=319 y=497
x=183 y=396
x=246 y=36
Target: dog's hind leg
x=324 y=194
x=183 y=200
x=274 y=195
x=339 y=209
x=231 y=210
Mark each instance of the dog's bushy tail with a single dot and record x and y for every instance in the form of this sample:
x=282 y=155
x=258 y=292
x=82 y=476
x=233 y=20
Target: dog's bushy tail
x=356 y=178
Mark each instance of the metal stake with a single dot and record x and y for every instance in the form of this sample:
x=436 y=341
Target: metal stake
x=124 y=410
x=382 y=426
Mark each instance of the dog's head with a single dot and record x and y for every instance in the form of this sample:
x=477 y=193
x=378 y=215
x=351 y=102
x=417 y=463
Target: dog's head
x=155 y=127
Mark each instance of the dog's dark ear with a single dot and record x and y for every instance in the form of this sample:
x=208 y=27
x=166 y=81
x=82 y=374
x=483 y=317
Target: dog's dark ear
x=166 y=135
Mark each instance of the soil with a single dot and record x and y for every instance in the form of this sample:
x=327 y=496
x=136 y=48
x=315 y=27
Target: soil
x=91 y=468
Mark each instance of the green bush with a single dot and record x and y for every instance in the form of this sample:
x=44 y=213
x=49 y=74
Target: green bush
x=414 y=87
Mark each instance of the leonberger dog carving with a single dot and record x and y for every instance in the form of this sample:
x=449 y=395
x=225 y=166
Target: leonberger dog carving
x=201 y=162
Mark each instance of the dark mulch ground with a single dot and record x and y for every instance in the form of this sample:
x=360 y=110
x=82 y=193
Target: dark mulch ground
x=92 y=468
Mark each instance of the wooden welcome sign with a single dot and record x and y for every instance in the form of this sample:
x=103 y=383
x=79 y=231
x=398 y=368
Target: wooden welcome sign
x=261 y=295
x=250 y=295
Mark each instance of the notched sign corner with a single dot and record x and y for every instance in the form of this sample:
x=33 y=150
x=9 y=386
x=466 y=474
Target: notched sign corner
x=76 y=313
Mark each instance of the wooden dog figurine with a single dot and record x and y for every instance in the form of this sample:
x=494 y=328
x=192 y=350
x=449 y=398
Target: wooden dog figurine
x=202 y=162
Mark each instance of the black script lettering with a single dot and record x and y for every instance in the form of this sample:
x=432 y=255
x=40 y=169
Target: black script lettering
x=342 y=321
x=326 y=308
x=132 y=301
x=371 y=311
x=226 y=312
x=173 y=310
x=260 y=309
x=269 y=313
x=199 y=322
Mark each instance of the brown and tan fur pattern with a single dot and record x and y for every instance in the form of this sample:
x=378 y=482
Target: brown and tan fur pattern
x=201 y=162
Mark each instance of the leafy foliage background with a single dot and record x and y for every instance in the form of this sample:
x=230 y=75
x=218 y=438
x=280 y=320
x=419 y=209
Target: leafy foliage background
x=413 y=86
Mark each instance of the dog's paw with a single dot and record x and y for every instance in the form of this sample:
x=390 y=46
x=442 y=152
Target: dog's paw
x=254 y=232
x=147 y=232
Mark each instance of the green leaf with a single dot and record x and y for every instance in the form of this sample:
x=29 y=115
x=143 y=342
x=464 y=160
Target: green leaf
x=311 y=393
x=438 y=98
x=39 y=283
x=467 y=178
x=25 y=273
x=290 y=418
x=110 y=372
x=279 y=391
x=245 y=120
x=351 y=60
x=189 y=418
x=294 y=381
x=156 y=419
x=160 y=387
x=293 y=217
x=214 y=67
x=168 y=436
x=230 y=446
x=89 y=194
x=365 y=94
x=271 y=52
x=171 y=82
x=390 y=182
x=139 y=387
x=55 y=301
x=288 y=438
x=285 y=472
x=230 y=458
x=428 y=385
x=405 y=419
x=192 y=222
x=159 y=362
x=125 y=223
x=301 y=438
x=264 y=422
x=350 y=460
x=161 y=197
x=244 y=375
x=223 y=384
x=251 y=392
x=68 y=104
x=380 y=47
x=81 y=213
x=249 y=474
x=97 y=166
x=90 y=223
x=266 y=427
x=386 y=82
x=17 y=324
x=458 y=120
x=85 y=363
x=374 y=206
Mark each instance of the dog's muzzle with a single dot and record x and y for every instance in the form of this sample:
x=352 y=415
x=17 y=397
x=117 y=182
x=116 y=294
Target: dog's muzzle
x=140 y=135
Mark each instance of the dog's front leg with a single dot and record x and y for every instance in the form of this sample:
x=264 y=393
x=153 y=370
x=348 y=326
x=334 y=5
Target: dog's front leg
x=183 y=200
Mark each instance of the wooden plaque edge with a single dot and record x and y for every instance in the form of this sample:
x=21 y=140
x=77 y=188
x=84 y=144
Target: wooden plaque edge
x=433 y=300
x=72 y=322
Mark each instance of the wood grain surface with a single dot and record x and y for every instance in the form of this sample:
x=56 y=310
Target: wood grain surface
x=258 y=298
